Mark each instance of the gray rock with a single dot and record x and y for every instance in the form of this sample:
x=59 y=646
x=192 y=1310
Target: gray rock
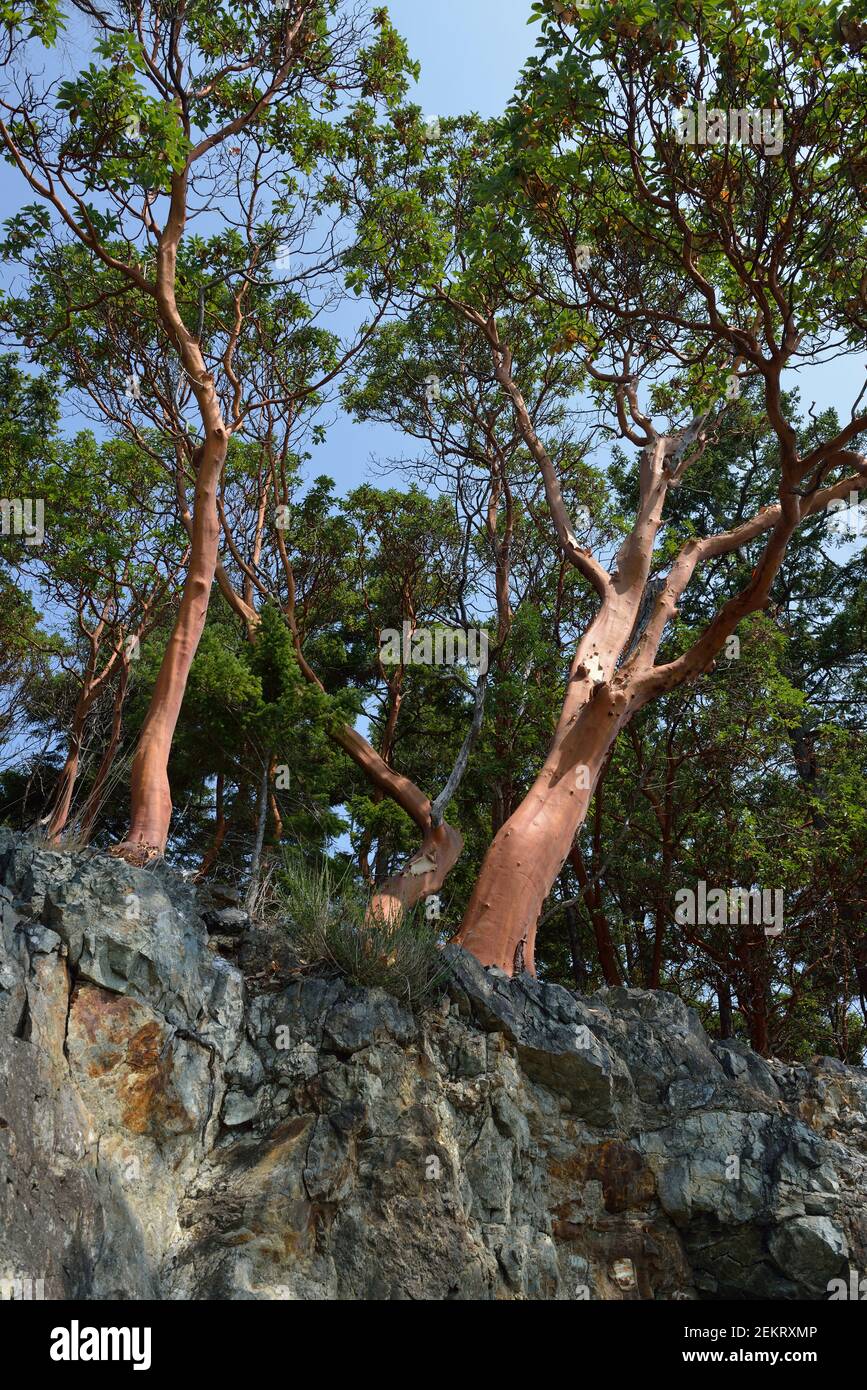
x=811 y=1251
x=514 y=1141
x=554 y=1035
x=686 y=1093
x=226 y=921
x=362 y=1017
x=216 y=894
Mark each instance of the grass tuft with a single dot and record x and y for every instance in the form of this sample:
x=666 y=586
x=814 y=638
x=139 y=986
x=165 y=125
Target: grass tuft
x=324 y=917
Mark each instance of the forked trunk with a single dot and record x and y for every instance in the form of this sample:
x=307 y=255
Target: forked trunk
x=529 y=850
x=151 y=802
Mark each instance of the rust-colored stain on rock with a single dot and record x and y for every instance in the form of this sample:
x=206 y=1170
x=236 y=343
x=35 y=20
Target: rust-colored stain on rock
x=102 y=1017
x=115 y=1034
x=152 y=1105
x=101 y=1023
x=625 y=1179
x=143 y=1048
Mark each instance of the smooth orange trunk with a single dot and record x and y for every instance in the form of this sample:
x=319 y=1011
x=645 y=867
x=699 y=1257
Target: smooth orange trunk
x=529 y=850
x=425 y=874
x=151 y=802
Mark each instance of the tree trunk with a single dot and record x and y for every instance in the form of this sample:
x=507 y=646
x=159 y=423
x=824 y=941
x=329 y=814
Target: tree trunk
x=757 y=1023
x=90 y=810
x=753 y=999
x=608 y=962
x=425 y=873
x=274 y=803
x=211 y=855
x=527 y=854
x=261 y=820
x=151 y=802
x=69 y=773
x=724 y=1002
x=441 y=844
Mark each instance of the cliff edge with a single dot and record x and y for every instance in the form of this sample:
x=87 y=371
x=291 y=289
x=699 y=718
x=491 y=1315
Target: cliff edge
x=165 y=1132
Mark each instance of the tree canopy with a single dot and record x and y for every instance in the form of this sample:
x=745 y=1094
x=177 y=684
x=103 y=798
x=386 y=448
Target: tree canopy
x=592 y=326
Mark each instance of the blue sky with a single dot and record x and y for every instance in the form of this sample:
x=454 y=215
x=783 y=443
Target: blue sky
x=471 y=52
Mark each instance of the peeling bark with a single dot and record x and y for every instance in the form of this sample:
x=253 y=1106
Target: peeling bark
x=425 y=873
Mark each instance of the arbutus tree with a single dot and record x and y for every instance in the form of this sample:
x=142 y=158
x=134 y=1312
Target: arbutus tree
x=661 y=272
x=428 y=376
x=786 y=695
x=200 y=338
x=305 y=557
x=185 y=110
x=669 y=271
x=296 y=553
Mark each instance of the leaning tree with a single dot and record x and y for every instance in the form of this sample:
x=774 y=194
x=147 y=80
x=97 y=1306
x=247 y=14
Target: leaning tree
x=670 y=272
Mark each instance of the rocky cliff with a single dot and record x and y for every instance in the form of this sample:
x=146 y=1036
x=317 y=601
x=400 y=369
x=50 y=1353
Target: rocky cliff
x=167 y=1132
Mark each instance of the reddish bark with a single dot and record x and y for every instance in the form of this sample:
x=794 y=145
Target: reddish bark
x=151 y=802
x=531 y=847
x=608 y=961
x=527 y=854
x=614 y=672
x=441 y=844
x=425 y=873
